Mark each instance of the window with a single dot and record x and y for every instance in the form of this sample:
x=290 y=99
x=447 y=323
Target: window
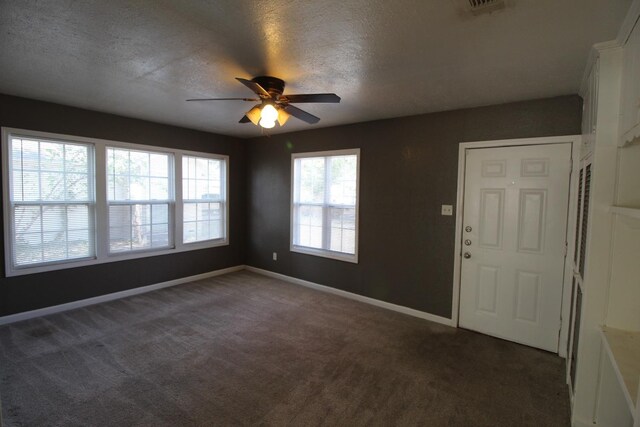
x=74 y=201
x=203 y=193
x=324 y=209
x=140 y=199
x=51 y=201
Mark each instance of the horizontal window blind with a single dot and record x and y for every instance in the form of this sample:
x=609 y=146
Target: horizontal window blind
x=52 y=201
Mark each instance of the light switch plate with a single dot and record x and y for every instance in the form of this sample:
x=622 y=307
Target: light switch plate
x=447 y=210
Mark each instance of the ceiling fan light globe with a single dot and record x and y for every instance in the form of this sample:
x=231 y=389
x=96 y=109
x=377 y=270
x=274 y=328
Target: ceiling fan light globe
x=267 y=124
x=269 y=113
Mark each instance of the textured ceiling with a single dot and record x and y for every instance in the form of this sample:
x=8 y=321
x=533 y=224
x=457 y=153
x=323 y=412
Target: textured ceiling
x=384 y=58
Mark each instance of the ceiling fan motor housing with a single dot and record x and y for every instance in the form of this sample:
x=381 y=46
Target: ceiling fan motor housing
x=273 y=85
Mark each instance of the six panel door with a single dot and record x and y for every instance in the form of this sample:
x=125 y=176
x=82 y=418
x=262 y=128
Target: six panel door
x=514 y=242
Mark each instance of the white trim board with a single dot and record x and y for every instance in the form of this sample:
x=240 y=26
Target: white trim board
x=356 y=297
x=25 y=315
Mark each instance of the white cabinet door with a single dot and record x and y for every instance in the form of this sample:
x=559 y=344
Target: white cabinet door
x=514 y=237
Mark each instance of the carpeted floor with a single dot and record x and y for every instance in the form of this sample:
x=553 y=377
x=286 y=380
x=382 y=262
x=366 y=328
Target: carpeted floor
x=243 y=349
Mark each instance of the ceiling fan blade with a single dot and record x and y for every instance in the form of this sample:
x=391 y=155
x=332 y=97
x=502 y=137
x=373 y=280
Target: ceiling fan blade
x=312 y=97
x=259 y=90
x=224 y=99
x=244 y=119
x=301 y=114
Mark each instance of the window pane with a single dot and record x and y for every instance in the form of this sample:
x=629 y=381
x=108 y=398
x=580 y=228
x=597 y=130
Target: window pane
x=312 y=178
x=138 y=226
x=202 y=178
x=27 y=219
x=119 y=228
x=159 y=165
x=52 y=177
x=77 y=186
x=42 y=233
x=52 y=156
x=203 y=221
x=52 y=186
x=309 y=226
x=139 y=189
x=141 y=236
x=137 y=175
x=343 y=225
x=343 y=180
x=76 y=158
x=77 y=217
x=159 y=235
x=159 y=214
x=54 y=246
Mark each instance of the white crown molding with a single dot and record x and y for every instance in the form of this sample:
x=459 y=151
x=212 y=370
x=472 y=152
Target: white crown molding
x=629 y=22
x=594 y=53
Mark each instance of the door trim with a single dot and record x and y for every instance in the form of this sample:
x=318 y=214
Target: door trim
x=575 y=141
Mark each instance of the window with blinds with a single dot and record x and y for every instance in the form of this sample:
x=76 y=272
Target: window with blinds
x=325 y=204
x=52 y=201
x=140 y=197
x=204 y=199
x=75 y=201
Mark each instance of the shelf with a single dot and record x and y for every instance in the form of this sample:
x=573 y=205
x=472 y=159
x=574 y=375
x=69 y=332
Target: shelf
x=623 y=348
x=630 y=212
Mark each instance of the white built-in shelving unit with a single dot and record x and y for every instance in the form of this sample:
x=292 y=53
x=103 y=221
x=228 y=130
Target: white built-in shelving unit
x=604 y=358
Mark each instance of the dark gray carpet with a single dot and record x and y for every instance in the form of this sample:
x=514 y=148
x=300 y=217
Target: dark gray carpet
x=243 y=349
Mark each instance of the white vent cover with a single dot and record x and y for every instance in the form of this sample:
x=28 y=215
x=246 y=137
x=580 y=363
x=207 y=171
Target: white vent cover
x=478 y=7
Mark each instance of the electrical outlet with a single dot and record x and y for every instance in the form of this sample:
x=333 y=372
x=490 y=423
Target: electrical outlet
x=275 y=256
x=447 y=210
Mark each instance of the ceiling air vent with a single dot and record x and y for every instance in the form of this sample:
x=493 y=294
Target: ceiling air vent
x=479 y=7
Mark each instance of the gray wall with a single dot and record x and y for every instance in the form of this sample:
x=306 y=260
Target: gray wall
x=44 y=289
x=408 y=169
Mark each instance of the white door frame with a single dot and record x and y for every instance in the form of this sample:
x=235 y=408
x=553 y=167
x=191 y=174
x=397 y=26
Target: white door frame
x=575 y=141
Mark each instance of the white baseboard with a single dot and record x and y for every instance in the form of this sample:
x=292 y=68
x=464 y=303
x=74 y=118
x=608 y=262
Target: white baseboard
x=356 y=297
x=12 y=318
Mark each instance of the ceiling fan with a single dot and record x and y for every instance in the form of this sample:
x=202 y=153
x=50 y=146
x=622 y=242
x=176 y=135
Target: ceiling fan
x=274 y=106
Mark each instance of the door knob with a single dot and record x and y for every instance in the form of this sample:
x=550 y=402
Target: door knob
x=467 y=255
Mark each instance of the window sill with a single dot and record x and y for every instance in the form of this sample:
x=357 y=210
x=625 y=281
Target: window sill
x=115 y=257
x=338 y=256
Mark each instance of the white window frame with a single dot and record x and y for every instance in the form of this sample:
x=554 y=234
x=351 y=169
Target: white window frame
x=224 y=190
x=101 y=237
x=170 y=201
x=325 y=253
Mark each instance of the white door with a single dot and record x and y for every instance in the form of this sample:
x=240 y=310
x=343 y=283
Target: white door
x=513 y=242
